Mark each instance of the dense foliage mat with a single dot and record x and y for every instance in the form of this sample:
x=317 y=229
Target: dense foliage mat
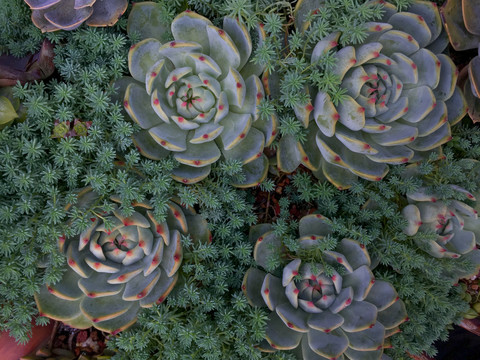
x=240 y=179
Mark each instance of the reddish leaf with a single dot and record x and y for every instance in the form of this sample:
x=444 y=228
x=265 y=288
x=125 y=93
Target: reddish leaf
x=33 y=67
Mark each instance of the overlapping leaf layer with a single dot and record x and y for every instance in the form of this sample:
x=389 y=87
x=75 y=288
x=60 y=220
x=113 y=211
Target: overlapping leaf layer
x=334 y=316
x=197 y=97
x=113 y=272
x=401 y=100
x=53 y=15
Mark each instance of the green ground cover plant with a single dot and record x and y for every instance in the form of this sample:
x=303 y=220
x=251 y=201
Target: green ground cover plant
x=239 y=179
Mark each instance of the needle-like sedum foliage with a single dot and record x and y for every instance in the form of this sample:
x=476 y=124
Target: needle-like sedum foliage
x=77 y=134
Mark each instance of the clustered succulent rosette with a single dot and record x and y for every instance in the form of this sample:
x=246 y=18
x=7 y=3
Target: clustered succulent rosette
x=461 y=23
x=323 y=317
x=53 y=15
x=112 y=273
x=401 y=100
x=456 y=224
x=463 y=29
x=197 y=97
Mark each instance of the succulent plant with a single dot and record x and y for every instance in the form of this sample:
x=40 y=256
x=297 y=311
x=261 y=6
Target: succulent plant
x=461 y=23
x=463 y=29
x=456 y=224
x=52 y=15
x=322 y=316
x=113 y=272
x=71 y=128
x=401 y=100
x=197 y=97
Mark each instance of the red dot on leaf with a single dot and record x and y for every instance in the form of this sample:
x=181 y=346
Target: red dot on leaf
x=389 y=62
x=172 y=44
x=266 y=291
x=201 y=58
x=220 y=107
x=174 y=78
x=378 y=28
x=156 y=102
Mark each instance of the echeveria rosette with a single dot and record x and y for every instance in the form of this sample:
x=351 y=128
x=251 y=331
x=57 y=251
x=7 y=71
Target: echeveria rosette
x=463 y=29
x=323 y=317
x=456 y=224
x=53 y=15
x=401 y=100
x=197 y=97
x=112 y=273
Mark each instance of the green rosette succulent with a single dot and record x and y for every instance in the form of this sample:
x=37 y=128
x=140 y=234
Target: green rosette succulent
x=456 y=224
x=463 y=29
x=53 y=15
x=196 y=97
x=400 y=102
x=113 y=272
x=334 y=316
